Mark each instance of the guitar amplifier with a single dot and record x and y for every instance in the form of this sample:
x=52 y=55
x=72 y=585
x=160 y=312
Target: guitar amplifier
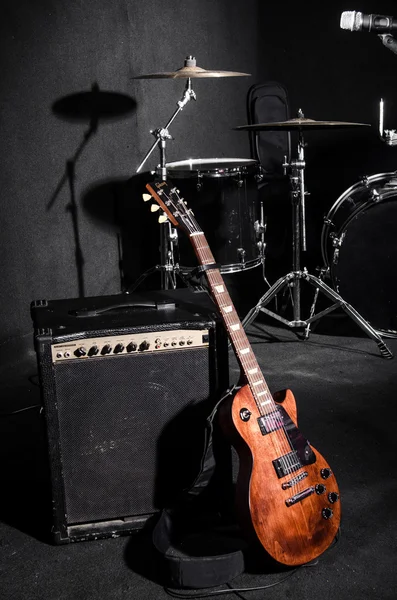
x=127 y=383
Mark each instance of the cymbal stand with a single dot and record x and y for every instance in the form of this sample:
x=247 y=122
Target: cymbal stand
x=293 y=280
x=168 y=234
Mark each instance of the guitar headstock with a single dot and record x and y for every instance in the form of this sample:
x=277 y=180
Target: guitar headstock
x=174 y=206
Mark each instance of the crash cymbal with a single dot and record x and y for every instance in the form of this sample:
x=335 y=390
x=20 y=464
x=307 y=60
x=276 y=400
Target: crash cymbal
x=299 y=123
x=191 y=71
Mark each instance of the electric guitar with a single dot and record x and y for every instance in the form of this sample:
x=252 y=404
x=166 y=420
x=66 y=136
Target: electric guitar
x=287 y=496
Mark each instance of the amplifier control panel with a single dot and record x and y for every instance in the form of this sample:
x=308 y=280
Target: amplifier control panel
x=130 y=343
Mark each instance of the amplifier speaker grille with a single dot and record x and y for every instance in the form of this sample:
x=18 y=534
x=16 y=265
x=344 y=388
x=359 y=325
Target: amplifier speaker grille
x=131 y=430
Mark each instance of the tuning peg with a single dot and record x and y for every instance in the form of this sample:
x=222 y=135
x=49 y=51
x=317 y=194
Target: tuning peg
x=146 y=197
x=163 y=218
x=154 y=208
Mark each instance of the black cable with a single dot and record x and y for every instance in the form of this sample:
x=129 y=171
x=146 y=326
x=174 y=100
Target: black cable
x=21 y=410
x=230 y=590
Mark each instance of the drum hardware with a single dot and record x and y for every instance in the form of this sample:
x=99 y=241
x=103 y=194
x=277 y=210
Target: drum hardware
x=292 y=280
x=389 y=136
x=168 y=268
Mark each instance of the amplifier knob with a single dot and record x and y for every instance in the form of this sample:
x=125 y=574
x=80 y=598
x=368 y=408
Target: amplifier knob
x=144 y=345
x=119 y=348
x=131 y=347
x=93 y=351
x=182 y=342
x=106 y=349
x=80 y=351
x=189 y=341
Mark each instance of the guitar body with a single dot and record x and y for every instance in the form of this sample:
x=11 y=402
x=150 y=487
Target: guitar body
x=291 y=532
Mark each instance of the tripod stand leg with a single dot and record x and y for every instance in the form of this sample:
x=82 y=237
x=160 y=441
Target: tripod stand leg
x=349 y=310
x=266 y=298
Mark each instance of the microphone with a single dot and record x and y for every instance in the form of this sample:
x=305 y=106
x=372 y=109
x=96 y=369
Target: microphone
x=357 y=21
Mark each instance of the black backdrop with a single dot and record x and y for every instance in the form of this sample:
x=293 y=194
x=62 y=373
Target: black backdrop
x=54 y=48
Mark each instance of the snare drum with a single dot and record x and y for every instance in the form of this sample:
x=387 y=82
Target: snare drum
x=359 y=246
x=223 y=194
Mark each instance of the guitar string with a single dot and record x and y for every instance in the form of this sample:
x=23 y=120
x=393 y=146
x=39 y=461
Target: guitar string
x=240 y=342
x=280 y=444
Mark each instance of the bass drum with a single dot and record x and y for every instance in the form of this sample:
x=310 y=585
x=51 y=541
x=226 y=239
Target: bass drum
x=359 y=247
x=223 y=194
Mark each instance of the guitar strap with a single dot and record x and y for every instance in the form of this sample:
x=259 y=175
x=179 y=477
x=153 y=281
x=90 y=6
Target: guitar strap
x=199 y=548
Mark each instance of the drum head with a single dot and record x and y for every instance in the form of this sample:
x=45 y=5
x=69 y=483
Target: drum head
x=209 y=167
x=363 y=268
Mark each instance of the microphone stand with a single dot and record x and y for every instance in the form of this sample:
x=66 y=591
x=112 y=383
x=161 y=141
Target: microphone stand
x=389 y=41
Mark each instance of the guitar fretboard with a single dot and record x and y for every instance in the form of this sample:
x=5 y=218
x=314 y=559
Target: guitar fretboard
x=234 y=327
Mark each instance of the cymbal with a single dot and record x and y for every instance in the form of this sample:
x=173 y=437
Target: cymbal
x=300 y=123
x=191 y=73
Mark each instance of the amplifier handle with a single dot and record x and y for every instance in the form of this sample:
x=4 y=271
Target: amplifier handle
x=85 y=312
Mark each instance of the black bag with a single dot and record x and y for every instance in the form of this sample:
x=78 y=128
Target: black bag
x=268 y=102
x=198 y=546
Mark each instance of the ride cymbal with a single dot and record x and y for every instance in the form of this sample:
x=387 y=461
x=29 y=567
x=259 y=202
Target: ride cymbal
x=299 y=123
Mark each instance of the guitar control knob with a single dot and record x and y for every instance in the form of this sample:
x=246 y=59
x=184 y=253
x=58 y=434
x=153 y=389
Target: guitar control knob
x=93 y=351
x=333 y=497
x=131 y=347
x=144 y=345
x=118 y=348
x=325 y=473
x=80 y=351
x=106 y=349
x=320 y=488
x=327 y=513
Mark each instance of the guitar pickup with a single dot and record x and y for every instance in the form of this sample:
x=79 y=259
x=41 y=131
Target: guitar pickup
x=300 y=496
x=270 y=422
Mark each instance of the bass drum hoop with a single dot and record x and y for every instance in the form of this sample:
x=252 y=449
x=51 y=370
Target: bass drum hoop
x=340 y=231
x=328 y=220
x=216 y=168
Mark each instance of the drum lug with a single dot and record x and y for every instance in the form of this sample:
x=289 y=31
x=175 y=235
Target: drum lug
x=199 y=183
x=337 y=242
x=259 y=228
x=365 y=181
x=242 y=254
x=328 y=221
x=336 y=256
x=374 y=195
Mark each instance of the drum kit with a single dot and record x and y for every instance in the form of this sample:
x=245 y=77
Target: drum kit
x=222 y=193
